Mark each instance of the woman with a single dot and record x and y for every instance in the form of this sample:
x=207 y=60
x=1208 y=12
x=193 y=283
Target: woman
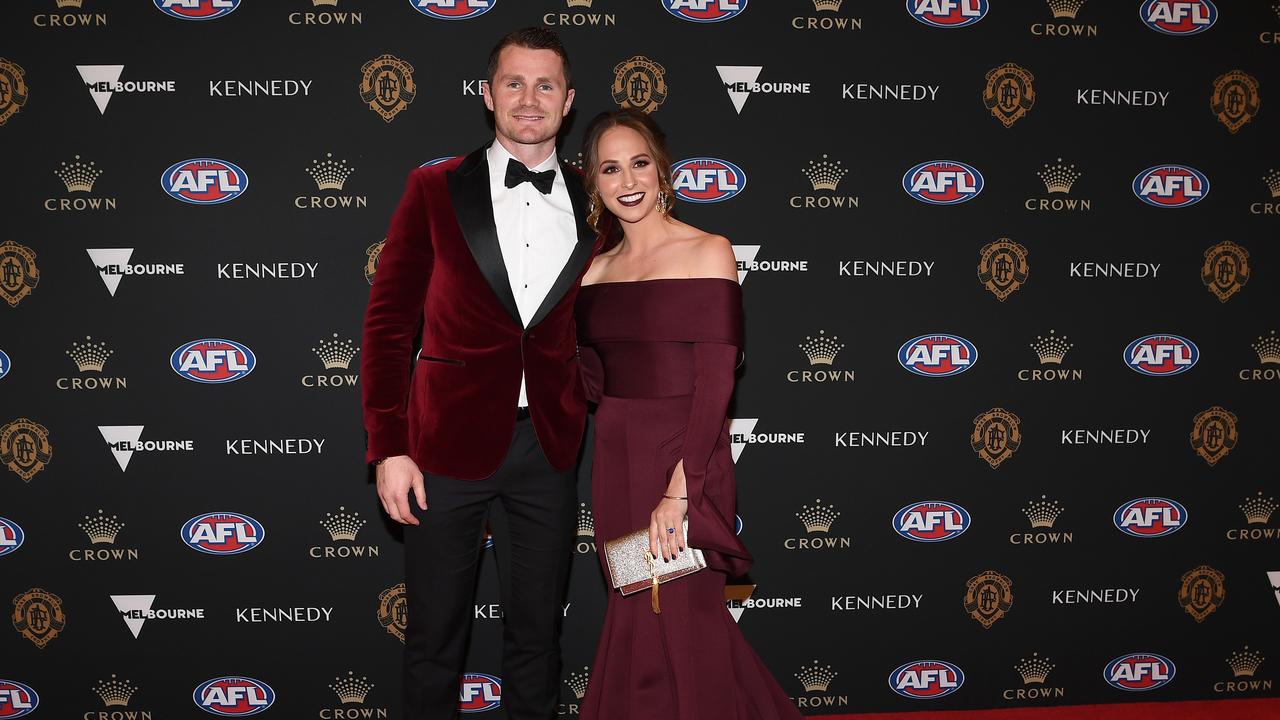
x=660 y=326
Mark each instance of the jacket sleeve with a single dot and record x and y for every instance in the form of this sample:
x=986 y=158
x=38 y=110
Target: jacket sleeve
x=391 y=322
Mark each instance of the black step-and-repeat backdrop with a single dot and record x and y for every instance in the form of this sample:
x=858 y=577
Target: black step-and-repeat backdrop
x=1006 y=430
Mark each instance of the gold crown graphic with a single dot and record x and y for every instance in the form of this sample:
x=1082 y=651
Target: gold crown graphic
x=577 y=161
x=115 y=692
x=1035 y=670
x=69 y=3
x=579 y=3
x=1245 y=662
x=819 y=517
x=577 y=682
x=821 y=350
x=1042 y=512
x=1059 y=178
x=586 y=523
x=1268 y=349
x=1276 y=7
x=832 y=5
x=1065 y=8
x=77 y=176
x=1051 y=348
x=1257 y=510
x=342 y=526
x=322 y=3
x=824 y=174
x=89 y=357
x=335 y=353
x=101 y=529
x=816 y=678
x=1272 y=177
x=328 y=173
x=351 y=689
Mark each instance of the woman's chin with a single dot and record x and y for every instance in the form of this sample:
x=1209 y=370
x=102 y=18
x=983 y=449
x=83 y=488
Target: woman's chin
x=631 y=214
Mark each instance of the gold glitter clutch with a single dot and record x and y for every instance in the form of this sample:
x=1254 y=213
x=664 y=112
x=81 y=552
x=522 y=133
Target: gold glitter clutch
x=632 y=567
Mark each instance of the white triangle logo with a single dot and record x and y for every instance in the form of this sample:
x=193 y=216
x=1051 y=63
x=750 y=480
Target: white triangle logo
x=133 y=603
x=740 y=426
x=732 y=75
x=115 y=434
x=1274 y=575
x=102 y=258
x=745 y=255
x=94 y=74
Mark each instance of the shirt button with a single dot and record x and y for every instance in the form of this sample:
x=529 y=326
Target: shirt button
x=526 y=203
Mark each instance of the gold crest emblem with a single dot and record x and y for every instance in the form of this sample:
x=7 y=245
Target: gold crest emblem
x=393 y=610
x=13 y=89
x=24 y=447
x=38 y=616
x=1202 y=592
x=373 y=252
x=1214 y=434
x=1009 y=93
x=18 y=272
x=1235 y=99
x=1225 y=269
x=1002 y=267
x=996 y=436
x=639 y=83
x=386 y=84
x=988 y=597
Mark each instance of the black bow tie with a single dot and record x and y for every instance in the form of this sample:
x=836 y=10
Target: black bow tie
x=518 y=173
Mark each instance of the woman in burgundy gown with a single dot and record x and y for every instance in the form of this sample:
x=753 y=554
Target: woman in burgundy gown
x=659 y=324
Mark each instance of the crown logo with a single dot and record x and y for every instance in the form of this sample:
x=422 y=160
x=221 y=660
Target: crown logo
x=351 y=689
x=1276 y=7
x=577 y=682
x=824 y=174
x=69 y=3
x=819 y=517
x=1272 y=177
x=1042 y=513
x=816 y=678
x=586 y=523
x=832 y=5
x=323 y=3
x=1035 y=670
x=1051 y=348
x=1244 y=663
x=101 y=529
x=115 y=692
x=77 y=176
x=1268 y=349
x=1257 y=510
x=1059 y=178
x=328 y=173
x=342 y=526
x=335 y=353
x=579 y=3
x=821 y=350
x=89 y=357
x=1065 y=8
x=577 y=162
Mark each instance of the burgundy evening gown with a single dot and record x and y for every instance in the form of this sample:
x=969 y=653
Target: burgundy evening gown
x=658 y=356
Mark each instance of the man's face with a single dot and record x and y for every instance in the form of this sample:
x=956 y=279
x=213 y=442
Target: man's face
x=528 y=95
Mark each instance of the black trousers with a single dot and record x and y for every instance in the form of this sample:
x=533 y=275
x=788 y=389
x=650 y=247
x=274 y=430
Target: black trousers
x=530 y=508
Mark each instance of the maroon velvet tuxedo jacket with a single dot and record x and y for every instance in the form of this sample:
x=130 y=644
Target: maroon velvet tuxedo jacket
x=442 y=267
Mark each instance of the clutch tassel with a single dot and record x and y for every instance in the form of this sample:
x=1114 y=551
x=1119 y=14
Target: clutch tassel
x=653 y=591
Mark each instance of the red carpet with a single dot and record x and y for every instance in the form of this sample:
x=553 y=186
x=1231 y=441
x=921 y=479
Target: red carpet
x=1267 y=709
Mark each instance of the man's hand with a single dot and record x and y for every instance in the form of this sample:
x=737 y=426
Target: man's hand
x=396 y=476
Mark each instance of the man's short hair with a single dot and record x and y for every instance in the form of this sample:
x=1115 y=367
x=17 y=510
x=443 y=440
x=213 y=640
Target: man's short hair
x=534 y=38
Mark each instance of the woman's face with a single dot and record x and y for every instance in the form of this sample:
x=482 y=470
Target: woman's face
x=626 y=177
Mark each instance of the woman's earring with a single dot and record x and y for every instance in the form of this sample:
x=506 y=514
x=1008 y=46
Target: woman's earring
x=663 y=203
x=593 y=202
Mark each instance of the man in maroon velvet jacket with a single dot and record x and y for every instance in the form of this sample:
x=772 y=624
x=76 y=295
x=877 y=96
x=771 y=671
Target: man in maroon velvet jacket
x=486 y=253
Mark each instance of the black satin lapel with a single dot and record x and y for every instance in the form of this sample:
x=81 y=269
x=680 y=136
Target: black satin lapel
x=469 y=190
x=581 y=250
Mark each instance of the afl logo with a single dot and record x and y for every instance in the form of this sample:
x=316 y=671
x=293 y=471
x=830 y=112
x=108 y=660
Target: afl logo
x=478 y=692
x=948 y=13
x=213 y=361
x=1178 y=17
x=10 y=539
x=453 y=9
x=16 y=699
x=704 y=11
x=437 y=161
x=1150 y=517
x=196 y=10
x=942 y=182
x=204 y=181
x=1139 y=672
x=234 y=696
x=937 y=355
x=4 y=364
x=707 y=180
x=926 y=679
x=223 y=533
x=1161 y=355
x=1171 y=186
x=931 y=521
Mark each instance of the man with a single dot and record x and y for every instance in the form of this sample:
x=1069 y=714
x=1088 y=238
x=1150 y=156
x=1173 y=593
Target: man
x=485 y=253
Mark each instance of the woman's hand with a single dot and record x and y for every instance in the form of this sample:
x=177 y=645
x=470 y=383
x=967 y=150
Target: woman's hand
x=666 y=528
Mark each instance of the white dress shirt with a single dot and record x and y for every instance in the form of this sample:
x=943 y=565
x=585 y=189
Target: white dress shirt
x=536 y=233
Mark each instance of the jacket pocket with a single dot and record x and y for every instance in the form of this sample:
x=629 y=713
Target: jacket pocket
x=443 y=361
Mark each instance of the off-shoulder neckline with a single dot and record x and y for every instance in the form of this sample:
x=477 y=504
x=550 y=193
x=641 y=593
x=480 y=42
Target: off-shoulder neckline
x=653 y=280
